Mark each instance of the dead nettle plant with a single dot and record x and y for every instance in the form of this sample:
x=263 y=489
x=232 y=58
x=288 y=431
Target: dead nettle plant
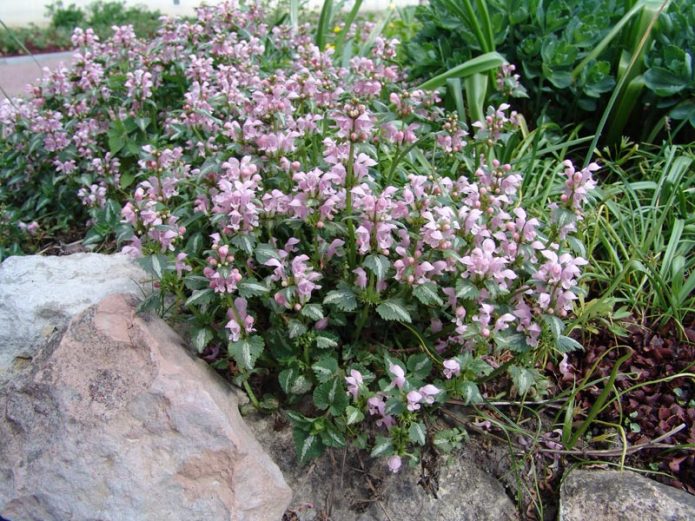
x=333 y=238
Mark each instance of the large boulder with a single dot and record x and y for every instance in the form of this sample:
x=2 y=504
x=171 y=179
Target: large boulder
x=115 y=421
x=346 y=485
x=611 y=495
x=38 y=295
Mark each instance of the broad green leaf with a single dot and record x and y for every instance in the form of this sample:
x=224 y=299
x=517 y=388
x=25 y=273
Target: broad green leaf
x=427 y=294
x=466 y=290
x=419 y=365
x=555 y=325
x=244 y=242
x=307 y=446
x=382 y=447
x=331 y=395
x=522 y=378
x=252 y=288
x=295 y=328
x=393 y=310
x=377 y=264
x=417 y=433
x=326 y=340
x=265 y=252
x=293 y=381
x=246 y=351
x=353 y=415
x=566 y=344
x=201 y=338
x=469 y=392
x=343 y=299
x=200 y=297
x=325 y=369
x=312 y=311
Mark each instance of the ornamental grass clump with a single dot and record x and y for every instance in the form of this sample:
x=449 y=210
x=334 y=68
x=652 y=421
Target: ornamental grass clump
x=333 y=238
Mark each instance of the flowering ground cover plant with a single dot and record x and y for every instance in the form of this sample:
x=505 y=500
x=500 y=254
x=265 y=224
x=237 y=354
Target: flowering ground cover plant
x=330 y=234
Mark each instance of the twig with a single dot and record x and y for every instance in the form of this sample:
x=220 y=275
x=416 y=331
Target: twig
x=652 y=444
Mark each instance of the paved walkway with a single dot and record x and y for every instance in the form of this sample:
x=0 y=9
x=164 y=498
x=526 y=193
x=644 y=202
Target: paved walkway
x=17 y=72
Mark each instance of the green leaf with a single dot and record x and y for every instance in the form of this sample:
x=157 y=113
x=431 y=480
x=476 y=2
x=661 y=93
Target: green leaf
x=419 y=365
x=295 y=328
x=265 y=252
x=331 y=437
x=244 y=242
x=417 y=433
x=393 y=310
x=482 y=63
x=325 y=369
x=377 y=264
x=331 y=395
x=200 y=297
x=382 y=447
x=466 y=290
x=353 y=415
x=252 y=288
x=469 y=392
x=293 y=381
x=427 y=294
x=555 y=325
x=326 y=340
x=201 y=338
x=246 y=351
x=343 y=299
x=307 y=446
x=566 y=344
x=312 y=311
x=522 y=378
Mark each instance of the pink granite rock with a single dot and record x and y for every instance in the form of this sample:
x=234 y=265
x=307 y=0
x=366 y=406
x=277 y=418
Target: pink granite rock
x=117 y=422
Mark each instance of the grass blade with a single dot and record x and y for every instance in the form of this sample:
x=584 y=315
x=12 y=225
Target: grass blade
x=483 y=63
x=324 y=26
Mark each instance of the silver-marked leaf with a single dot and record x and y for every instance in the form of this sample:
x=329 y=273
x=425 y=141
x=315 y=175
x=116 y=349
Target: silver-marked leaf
x=200 y=297
x=343 y=299
x=295 y=328
x=326 y=340
x=312 y=311
x=377 y=264
x=522 y=378
x=555 y=325
x=252 y=288
x=265 y=252
x=353 y=415
x=244 y=243
x=246 y=351
x=331 y=395
x=382 y=447
x=466 y=290
x=566 y=344
x=325 y=369
x=201 y=337
x=469 y=392
x=393 y=310
x=307 y=446
x=417 y=433
x=293 y=381
x=427 y=294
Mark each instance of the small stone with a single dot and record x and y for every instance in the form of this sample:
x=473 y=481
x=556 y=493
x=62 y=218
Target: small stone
x=611 y=495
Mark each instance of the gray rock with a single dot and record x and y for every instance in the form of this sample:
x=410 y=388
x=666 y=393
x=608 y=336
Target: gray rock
x=115 y=421
x=39 y=295
x=347 y=486
x=611 y=495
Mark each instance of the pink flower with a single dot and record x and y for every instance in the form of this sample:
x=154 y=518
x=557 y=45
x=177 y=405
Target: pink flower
x=414 y=398
x=394 y=463
x=452 y=368
x=398 y=375
x=428 y=393
x=354 y=381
